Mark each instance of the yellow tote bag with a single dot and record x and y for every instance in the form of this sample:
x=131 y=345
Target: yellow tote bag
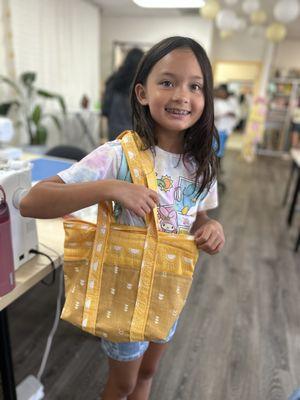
x=126 y=283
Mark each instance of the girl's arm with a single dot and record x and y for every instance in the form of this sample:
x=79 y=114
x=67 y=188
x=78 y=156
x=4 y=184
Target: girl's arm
x=209 y=235
x=52 y=198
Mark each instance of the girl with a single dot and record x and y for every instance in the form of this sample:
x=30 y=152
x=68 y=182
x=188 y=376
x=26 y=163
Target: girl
x=172 y=103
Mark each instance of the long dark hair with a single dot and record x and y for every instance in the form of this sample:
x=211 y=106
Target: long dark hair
x=123 y=78
x=201 y=141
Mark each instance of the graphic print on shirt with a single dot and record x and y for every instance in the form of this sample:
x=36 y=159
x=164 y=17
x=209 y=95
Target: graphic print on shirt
x=167 y=217
x=179 y=207
x=178 y=196
x=165 y=183
x=185 y=195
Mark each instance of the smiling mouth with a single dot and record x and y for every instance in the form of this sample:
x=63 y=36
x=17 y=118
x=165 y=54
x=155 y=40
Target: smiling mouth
x=177 y=111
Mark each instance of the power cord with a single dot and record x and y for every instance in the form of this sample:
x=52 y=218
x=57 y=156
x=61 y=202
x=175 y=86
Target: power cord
x=33 y=251
x=55 y=324
x=57 y=312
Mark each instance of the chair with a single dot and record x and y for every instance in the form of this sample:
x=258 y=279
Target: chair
x=220 y=154
x=223 y=136
x=66 y=151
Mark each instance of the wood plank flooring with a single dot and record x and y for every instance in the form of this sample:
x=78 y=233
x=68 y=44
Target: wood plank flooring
x=239 y=335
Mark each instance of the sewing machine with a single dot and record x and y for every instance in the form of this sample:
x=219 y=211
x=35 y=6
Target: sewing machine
x=15 y=177
x=7 y=152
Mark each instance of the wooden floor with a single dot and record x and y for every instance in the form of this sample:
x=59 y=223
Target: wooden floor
x=239 y=335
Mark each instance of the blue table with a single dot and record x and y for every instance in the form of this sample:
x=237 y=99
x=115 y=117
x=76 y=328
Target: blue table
x=45 y=167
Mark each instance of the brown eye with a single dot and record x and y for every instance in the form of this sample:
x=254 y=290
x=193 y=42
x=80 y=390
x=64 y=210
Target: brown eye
x=166 y=83
x=197 y=87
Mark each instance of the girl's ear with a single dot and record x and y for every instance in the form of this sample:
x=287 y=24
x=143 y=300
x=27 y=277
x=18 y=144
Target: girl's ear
x=141 y=95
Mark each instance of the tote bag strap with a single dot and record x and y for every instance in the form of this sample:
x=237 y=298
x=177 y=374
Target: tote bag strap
x=141 y=167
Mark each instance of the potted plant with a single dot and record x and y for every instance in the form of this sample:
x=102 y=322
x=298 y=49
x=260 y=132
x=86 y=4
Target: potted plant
x=27 y=102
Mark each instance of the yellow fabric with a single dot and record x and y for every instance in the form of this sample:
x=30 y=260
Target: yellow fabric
x=126 y=283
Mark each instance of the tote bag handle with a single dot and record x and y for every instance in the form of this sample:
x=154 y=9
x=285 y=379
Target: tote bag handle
x=142 y=172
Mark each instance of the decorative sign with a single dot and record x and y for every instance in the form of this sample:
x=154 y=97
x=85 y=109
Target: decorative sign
x=254 y=128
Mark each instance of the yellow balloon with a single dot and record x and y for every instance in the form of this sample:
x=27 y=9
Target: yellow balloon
x=276 y=32
x=258 y=17
x=225 y=34
x=210 y=9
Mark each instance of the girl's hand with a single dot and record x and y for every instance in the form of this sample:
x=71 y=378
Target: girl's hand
x=136 y=198
x=210 y=237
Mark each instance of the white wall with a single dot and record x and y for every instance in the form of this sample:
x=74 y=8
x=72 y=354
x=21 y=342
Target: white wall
x=3 y=69
x=6 y=49
x=243 y=47
x=287 y=54
x=240 y=47
x=150 y=30
x=60 y=40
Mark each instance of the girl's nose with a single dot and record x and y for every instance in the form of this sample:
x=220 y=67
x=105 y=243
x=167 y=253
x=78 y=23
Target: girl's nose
x=181 y=95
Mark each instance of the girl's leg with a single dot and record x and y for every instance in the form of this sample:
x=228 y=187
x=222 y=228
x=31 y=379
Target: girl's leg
x=147 y=371
x=122 y=379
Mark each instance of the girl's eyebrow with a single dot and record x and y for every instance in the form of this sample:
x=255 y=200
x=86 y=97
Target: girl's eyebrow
x=165 y=73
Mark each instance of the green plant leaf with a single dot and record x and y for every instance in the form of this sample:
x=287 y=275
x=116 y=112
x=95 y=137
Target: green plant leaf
x=11 y=84
x=27 y=78
x=36 y=114
x=40 y=135
x=49 y=95
x=45 y=93
x=55 y=119
x=5 y=107
x=62 y=104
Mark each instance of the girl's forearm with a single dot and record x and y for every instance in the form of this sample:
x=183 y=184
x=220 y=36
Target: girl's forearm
x=52 y=199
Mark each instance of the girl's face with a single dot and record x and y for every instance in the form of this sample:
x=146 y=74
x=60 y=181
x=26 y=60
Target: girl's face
x=174 y=92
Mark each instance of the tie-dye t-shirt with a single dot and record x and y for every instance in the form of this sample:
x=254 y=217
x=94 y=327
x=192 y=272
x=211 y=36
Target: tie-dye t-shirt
x=178 y=205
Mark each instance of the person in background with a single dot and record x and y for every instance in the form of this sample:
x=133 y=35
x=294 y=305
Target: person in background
x=295 y=128
x=115 y=103
x=225 y=115
x=243 y=114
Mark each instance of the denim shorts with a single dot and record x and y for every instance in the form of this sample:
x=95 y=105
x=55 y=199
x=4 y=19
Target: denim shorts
x=128 y=351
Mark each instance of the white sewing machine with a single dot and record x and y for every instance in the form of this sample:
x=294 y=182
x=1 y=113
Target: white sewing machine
x=15 y=177
x=6 y=134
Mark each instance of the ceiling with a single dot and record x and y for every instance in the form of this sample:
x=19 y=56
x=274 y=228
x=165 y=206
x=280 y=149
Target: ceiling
x=122 y=8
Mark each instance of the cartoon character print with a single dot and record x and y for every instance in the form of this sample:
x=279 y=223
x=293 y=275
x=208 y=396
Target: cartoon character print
x=183 y=229
x=185 y=195
x=165 y=183
x=167 y=219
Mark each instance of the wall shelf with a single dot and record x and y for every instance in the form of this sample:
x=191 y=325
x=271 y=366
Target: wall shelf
x=283 y=95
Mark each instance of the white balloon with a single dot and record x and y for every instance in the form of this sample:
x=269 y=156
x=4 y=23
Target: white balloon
x=250 y=5
x=286 y=10
x=226 y=19
x=231 y=2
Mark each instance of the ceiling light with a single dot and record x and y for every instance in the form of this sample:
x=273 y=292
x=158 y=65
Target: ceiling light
x=170 y=3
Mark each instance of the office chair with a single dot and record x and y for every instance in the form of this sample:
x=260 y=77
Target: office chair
x=66 y=151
